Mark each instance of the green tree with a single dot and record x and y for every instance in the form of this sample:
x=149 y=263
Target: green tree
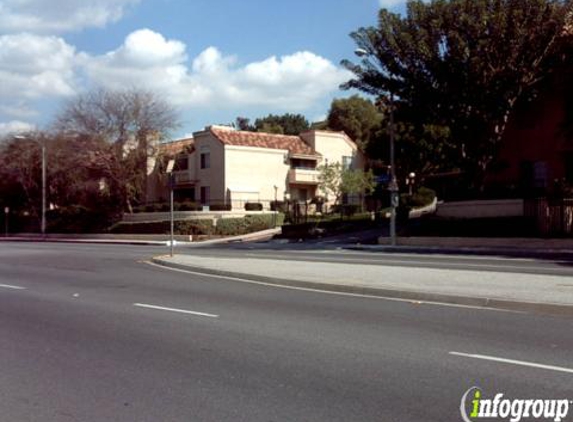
x=358 y=117
x=287 y=124
x=461 y=66
x=335 y=181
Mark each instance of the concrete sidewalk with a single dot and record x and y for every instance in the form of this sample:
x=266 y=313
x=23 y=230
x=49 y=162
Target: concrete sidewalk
x=549 y=294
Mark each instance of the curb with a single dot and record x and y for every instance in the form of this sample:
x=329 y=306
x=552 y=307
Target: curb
x=416 y=296
x=90 y=241
x=564 y=254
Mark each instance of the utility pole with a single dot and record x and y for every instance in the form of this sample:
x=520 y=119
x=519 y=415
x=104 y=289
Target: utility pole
x=394 y=196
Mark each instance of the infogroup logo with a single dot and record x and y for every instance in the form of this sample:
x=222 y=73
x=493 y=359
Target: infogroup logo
x=475 y=406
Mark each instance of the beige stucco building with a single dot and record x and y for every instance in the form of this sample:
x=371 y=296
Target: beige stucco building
x=226 y=168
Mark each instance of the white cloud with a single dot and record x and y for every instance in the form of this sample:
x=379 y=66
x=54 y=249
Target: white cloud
x=36 y=68
x=59 y=15
x=33 y=66
x=15 y=126
x=146 y=58
x=390 y=4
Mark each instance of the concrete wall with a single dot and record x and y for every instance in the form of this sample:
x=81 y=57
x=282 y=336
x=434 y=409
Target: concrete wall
x=481 y=209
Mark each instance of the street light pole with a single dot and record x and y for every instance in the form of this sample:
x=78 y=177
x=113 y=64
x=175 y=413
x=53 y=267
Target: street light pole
x=43 y=224
x=394 y=190
x=394 y=198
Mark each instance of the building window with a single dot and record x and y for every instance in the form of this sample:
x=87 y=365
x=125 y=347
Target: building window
x=540 y=172
x=182 y=162
x=205 y=160
x=205 y=195
x=346 y=163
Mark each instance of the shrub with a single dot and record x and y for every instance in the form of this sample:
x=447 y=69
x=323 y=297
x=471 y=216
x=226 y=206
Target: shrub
x=185 y=227
x=253 y=206
x=220 y=207
x=189 y=206
x=79 y=219
x=346 y=209
x=421 y=198
x=248 y=224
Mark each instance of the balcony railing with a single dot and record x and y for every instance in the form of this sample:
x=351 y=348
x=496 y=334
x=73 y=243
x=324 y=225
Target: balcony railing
x=183 y=177
x=303 y=176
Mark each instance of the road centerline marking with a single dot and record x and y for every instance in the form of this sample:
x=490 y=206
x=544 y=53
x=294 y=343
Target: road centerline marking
x=9 y=286
x=181 y=311
x=513 y=362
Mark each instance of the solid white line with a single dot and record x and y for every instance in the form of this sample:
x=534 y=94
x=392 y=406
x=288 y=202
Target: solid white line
x=8 y=286
x=329 y=292
x=181 y=311
x=514 y=362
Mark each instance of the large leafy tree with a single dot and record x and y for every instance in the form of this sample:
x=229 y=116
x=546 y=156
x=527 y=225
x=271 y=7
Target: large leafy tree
x=286 y=124
x=459 y=67
x=131 y=122
x=358 y=117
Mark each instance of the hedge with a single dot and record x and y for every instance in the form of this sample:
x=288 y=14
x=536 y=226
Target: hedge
x=225 y=226
x=248 y=224
x=185 y=227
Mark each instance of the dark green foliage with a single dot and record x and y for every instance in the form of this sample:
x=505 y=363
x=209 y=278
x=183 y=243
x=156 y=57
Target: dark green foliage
x=186 y=227
x=79 y=219
x=248 y=224
x=253 y=206
x=225 y=226
x=286 y=124
x=220 y=207
x=457 y=69
x=420 y=198
x=358 y=117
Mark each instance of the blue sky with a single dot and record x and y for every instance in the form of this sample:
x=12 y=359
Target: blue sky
x=213 y=60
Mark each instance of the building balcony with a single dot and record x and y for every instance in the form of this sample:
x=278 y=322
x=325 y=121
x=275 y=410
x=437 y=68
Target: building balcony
x=303 y=176
x=183 y=178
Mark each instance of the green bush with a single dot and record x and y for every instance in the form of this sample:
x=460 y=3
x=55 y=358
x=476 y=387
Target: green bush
x=188 y=206
x=220 y=207
x=253 y=206
x=420 y=198
x=225 y=226
x=248 y=224
x=79 y=219
x=185 y=227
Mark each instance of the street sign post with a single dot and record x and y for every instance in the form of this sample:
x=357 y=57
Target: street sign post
x=6 y=212
x=171 y=181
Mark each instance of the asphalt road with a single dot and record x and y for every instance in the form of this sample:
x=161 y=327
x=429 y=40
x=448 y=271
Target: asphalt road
x=82 y=339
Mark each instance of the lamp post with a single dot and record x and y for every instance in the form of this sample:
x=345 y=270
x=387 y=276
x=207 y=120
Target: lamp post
x=43 y=146
x=410 y=181
x=6 y=213
x=393 y=185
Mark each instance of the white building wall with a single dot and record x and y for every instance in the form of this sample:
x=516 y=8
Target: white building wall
x=251 y=174
x=333 y=146
x=214 y=176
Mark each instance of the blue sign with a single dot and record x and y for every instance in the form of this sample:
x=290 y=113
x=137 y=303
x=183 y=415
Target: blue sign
x=383 y=178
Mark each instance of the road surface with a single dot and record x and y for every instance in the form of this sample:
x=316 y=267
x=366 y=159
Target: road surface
x=95 y=333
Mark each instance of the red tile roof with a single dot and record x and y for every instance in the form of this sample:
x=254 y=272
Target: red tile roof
x=176 y=147
x=294 y=144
